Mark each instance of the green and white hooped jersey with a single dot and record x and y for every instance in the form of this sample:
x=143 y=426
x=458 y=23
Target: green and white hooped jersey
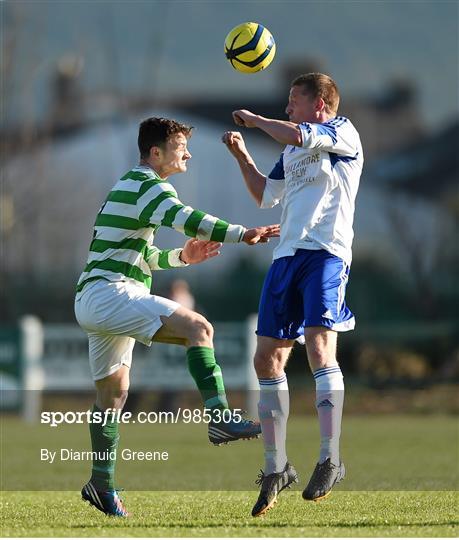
x=139 y=203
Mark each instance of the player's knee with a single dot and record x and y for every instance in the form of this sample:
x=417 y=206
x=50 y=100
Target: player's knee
x=313 y=348
x=259 y=364
x=320 y=353
x=206 y=330
x=111 y=399
x=112 y=394
x=120 y=398
x=201 y=331
x=266 y=366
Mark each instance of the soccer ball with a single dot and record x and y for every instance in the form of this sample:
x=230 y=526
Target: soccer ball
x=250 y=47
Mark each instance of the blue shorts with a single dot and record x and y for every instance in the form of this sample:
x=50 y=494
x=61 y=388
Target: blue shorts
x=306 y=289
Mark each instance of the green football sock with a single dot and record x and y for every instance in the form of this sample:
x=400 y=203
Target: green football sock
x=208 y=377
x=104 y=440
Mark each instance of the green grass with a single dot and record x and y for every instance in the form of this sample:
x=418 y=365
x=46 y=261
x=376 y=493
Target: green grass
x=401 y=481
x=227 y=514
x=410 y=453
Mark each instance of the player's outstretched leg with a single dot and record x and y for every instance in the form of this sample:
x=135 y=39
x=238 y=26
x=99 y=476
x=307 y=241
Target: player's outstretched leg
x=271 y=485
x=186 y=327
x=225 y=426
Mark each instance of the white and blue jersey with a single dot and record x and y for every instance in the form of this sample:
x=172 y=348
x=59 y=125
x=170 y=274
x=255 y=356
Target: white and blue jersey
x=316 y=184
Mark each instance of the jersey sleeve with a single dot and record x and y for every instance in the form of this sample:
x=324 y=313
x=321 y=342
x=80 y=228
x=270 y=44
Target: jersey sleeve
x=337 y=135
x=163 y=259
x=275 y=185
x=159 y=205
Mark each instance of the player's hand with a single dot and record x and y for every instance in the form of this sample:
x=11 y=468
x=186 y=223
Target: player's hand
x=244 y=118
x=196 y=251
x=235 y=143
x=260 y=234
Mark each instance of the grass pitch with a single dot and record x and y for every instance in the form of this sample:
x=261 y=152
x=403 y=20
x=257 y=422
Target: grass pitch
x=401 y=481
x=227 y=514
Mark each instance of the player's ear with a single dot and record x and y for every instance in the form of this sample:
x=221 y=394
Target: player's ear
x=155 y=152
x=320 y=105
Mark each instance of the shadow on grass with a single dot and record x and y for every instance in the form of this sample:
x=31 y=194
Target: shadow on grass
x=260 y=525
x=393 y=524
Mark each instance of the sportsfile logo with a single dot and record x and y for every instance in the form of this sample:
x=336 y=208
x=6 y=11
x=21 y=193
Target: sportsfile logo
x=187 y=416
x=56 y=418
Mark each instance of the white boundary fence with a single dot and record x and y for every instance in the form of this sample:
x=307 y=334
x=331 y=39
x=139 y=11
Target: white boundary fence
x=54 y=357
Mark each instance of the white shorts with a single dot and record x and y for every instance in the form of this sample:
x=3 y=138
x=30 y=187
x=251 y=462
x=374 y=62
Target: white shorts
x=115 y=315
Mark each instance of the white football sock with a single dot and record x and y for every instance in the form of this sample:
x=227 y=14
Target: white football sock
x=273 y=410
x=329 y=404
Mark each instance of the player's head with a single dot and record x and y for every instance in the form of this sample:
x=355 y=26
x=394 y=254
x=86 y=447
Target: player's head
x=314 y=97
x=163 y=145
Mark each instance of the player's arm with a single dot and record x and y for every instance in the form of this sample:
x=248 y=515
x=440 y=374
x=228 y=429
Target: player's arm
x=159 y=205
x=164 y=259
x=254 y=179
x=279 y=130
x=267 y=191
x=336 y=135
x=193 y=252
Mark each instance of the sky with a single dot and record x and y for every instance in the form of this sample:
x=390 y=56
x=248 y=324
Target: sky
x=174 y=49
